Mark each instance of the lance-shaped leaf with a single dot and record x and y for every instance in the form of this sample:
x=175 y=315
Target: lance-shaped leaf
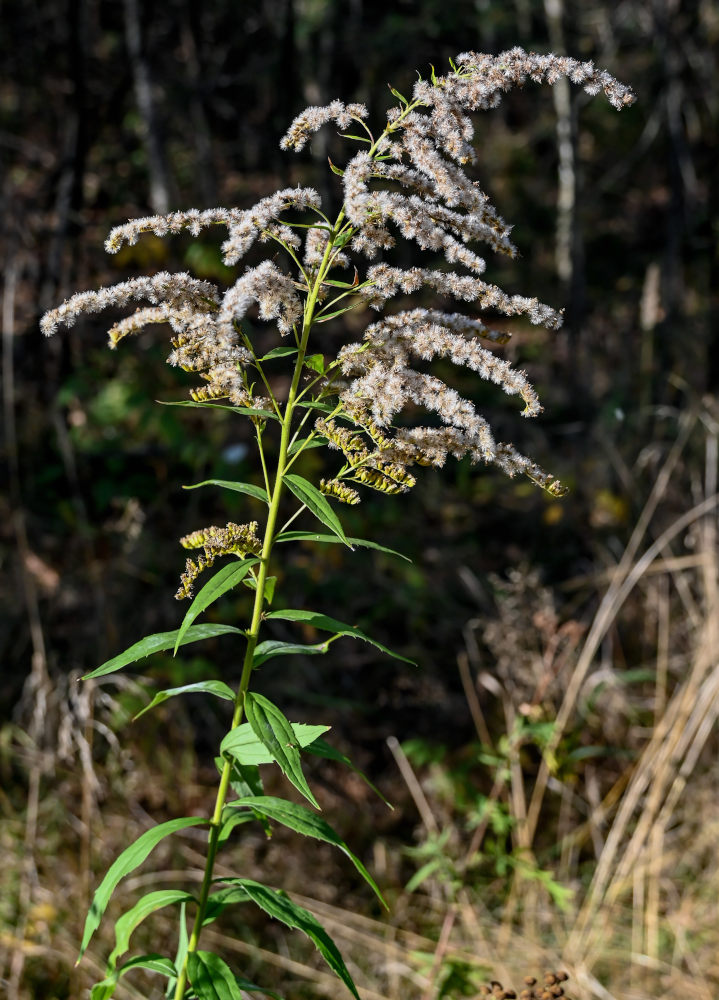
x=327 y=624
x=243 y=745
x=156 y=643
x=226 y=484
x=126 y=924
x=302 y=820
x=155 y=963
x=283 y=351
x=314 y=536
x=321 y=748
x=274 y=730
x=311 y=497
x=183 y=942
x=231 y=819
x=224 y=579
x=270 y=648
x=130 y=859
x=306 y=442
x=247 y=411
x=269 y=590
x=278 y=905
x=218 y=688
x=211 y=978
x=217 y=902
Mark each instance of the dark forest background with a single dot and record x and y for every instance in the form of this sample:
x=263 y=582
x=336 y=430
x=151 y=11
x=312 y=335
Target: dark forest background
x=112 y=110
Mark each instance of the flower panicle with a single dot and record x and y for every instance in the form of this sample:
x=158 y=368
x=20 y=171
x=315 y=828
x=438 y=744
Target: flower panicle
x=174 y=289
x=234 y=539
x=313 y=118
x=339 y=490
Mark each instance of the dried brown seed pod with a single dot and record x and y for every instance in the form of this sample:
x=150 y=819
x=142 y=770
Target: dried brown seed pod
x=530 y=980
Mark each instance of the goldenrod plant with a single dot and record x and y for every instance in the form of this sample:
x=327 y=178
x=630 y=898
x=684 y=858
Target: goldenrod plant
x=408 y=180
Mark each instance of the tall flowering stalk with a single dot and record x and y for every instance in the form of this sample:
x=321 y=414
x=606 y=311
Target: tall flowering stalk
x=409 y=181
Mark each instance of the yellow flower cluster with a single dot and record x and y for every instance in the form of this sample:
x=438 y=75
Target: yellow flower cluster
x=233 y=539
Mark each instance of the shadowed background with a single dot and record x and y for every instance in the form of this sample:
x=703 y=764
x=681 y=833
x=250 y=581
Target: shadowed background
x=114 y=110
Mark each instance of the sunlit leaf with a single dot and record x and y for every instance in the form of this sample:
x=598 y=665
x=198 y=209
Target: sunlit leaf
x=313 y=536
x=224 y=579
x=283 y=351
x=243 y=745
x=278 y=905
x=249 y=488
x=247 y=411
x=270 y=648
x=321 y=748
x=126 y=924
x=218 y=688
x=273 y=729
x=130 y=859
x=211 y=978
x=317 y=503
x=156 y=643
x=309 y=824
x=327 y=624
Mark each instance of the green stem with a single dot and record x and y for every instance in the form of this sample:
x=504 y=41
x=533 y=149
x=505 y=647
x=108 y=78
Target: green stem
x=254 y=630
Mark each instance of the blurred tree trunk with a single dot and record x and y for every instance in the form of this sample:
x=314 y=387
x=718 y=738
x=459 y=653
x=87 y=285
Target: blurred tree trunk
x=69 y=194
x=569 y=247
x=206 y=177
x=154 y=146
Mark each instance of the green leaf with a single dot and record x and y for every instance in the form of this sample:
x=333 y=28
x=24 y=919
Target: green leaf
x=307 y=442
x=320 y=748
x=323 y=317
x=338 y=284
x=245 y=984
x=313 y=536
x=153 y=962
x=249 y=488
x=218 y=688
x=270 y=648
x=316 y=502
x=245 y=779
x=224 y=579
x=302 y=820
x=156 y=643
x=218 y=902
x=362 y=138
x=230 y=819
x=316 y=362
x=211 y=978
x=182 y=945
x=316 y=404
x=104 y=989
x=327 y=624
x=247 y=411
x=274 y=730
x=126 y=924
x=334 y=169
x=399 y=96
x=423 y=874
x=270 y=583
x=128 y=861
x=242 y=744
x=278 y=905
x=283 y=351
